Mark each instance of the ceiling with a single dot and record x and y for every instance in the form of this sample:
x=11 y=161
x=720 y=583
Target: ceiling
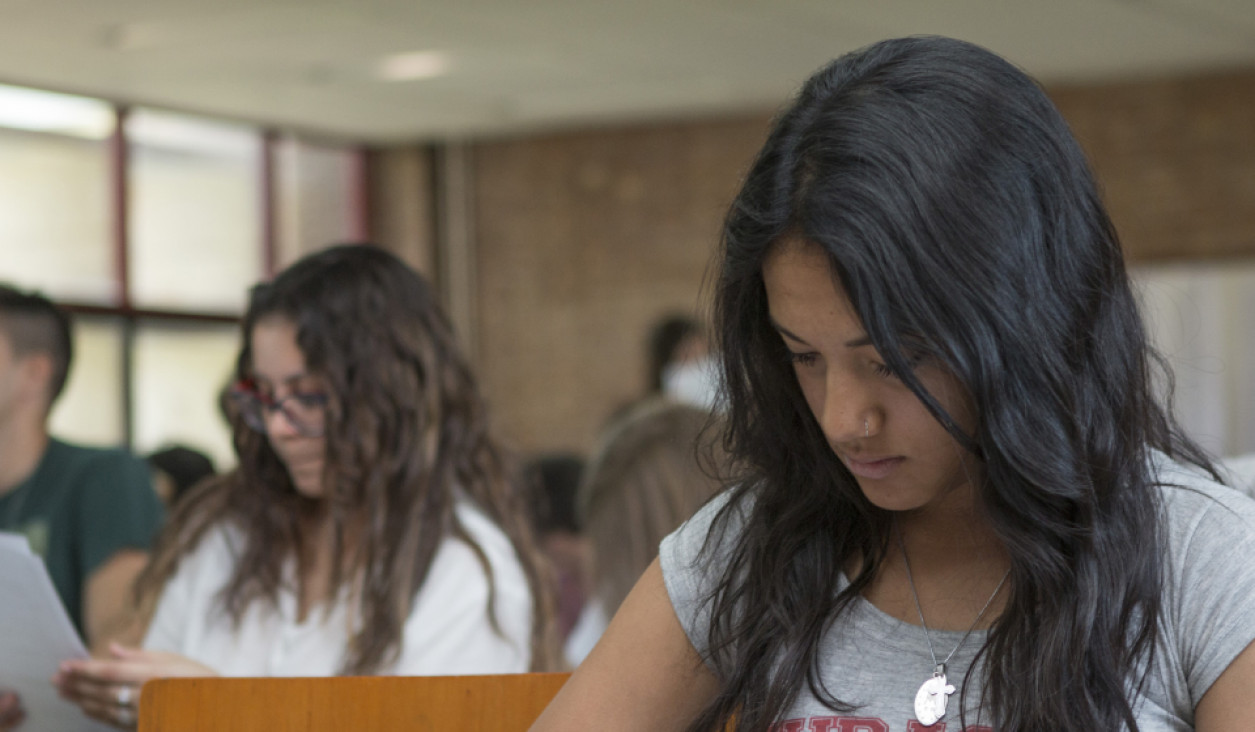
x=514 y=66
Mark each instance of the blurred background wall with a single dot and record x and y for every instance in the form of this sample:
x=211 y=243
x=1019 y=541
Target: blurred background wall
x=584 y=238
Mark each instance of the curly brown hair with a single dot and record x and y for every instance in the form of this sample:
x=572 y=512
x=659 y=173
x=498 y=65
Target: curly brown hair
x=406 y=436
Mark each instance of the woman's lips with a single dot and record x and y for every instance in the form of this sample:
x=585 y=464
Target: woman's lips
x=873 y=469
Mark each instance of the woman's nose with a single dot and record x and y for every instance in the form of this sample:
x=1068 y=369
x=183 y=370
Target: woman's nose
x=848 y=411
x=278 y=424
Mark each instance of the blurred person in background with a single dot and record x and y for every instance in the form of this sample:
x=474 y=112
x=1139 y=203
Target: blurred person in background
x=371 y=526
x=176 y=469
x=681 y=364
x=553 y=480
x=89 y=512
x=648 y=475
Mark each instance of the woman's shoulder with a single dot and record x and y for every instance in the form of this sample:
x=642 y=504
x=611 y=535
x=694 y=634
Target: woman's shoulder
x=457 y=558
x=1192 y=497
x=1209 y=580
x=482 y=529
x=468 y=617
x=1209 y=529
x=694 y=558
x=710 y=532
x=214 y=552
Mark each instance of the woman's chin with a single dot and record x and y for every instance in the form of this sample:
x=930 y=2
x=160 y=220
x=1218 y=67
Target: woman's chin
x=312 y=490
x=309 y=485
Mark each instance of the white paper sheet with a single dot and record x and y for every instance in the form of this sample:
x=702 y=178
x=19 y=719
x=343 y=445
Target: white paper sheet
x=35 y=636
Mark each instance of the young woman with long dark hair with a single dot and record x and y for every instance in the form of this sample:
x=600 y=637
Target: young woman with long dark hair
x=371 y=525
x=959 y=503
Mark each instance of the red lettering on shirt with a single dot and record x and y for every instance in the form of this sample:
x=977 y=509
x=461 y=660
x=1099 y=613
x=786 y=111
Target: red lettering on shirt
x=861 y=724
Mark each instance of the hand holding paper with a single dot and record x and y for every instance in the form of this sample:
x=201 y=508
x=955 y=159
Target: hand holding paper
x=38 y=637
x=108 y=688
x=11 y=711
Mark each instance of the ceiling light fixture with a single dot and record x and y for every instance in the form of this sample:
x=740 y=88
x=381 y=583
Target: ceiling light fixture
x=156 y=129
x=41 y=111
x=413 y=65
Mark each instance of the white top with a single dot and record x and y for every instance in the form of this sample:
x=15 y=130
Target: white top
x=448 y=631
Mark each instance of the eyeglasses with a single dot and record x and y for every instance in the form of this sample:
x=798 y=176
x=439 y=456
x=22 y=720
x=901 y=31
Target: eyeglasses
x=303 y=410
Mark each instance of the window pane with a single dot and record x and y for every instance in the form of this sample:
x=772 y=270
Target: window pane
x=179 y=372
x=90 y=409
x=54 y=194
x=315 y=197
x=195 y=201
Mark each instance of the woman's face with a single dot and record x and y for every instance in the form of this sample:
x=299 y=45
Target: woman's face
x=901 y=456
x=294 y=420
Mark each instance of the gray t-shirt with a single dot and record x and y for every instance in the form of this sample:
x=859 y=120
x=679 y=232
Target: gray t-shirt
x=879 y=662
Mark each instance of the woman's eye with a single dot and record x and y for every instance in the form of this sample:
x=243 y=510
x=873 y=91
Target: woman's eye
x=803 y=359
x=311 y=399
x=913 y=361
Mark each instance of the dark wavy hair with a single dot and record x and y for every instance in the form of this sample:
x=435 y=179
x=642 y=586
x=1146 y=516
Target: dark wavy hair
x=406 y=436
x=957 y=211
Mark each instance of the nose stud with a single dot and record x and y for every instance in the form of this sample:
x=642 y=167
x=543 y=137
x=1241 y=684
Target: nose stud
x=867 y=428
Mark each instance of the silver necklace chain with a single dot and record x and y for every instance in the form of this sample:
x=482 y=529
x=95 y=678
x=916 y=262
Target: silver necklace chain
x=940 y=667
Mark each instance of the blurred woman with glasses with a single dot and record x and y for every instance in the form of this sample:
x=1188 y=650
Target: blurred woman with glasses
x=370 y=527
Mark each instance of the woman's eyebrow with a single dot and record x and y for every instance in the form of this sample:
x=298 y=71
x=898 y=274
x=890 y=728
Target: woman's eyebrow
x=289 y=380
x=786 y=332
x=859 y=342
x=297 y=379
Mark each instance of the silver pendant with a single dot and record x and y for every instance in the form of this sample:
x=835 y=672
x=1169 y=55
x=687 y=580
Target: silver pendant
x=930 y=700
